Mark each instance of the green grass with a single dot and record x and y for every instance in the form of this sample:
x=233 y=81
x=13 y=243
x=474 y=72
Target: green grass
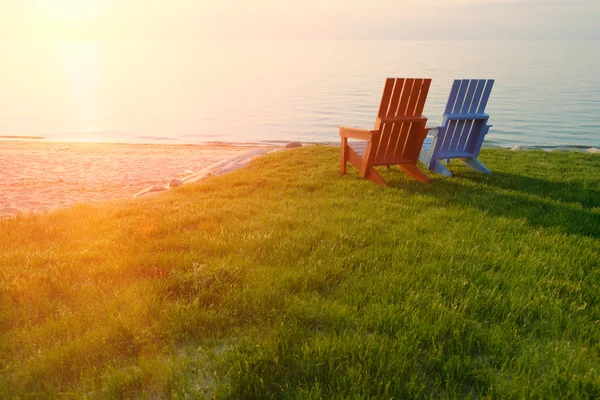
x=287 y=280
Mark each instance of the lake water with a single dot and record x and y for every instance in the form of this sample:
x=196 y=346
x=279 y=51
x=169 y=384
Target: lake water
x=546 y=93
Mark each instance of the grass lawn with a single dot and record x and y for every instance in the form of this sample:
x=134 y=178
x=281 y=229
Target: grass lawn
x=287 y=280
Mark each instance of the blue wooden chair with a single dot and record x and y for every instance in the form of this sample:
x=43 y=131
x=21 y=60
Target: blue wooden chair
x=463 y=128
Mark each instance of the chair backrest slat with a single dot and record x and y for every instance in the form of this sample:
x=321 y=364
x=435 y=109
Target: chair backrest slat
x=422 y=97
x=465 y=136
x=385 y=98
x=477 y=96
x=395 y=100
x=460 y=98
x=407 y=94
x=468 y=97
x=452 y=98
x=486 y=96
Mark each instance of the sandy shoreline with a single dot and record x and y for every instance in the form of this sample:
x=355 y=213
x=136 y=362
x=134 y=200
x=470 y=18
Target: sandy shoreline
x=39 y=177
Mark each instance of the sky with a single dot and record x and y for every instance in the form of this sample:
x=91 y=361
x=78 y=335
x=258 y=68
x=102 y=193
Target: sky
x=302 y=19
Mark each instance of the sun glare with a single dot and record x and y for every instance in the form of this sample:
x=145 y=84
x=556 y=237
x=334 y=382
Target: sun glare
x=72 y=10
x=80 y=64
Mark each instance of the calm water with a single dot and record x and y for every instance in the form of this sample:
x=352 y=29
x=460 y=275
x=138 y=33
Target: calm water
x=546 y=93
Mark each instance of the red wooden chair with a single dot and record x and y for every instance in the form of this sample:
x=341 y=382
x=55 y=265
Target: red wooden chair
x=398 y=135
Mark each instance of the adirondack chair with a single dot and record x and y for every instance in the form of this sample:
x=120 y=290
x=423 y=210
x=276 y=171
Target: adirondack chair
x=398 y=135
x=463 y=128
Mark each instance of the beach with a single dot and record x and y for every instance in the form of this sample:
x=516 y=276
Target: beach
x=44 y=176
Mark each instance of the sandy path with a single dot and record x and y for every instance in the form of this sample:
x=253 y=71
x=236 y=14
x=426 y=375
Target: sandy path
x=38 y=177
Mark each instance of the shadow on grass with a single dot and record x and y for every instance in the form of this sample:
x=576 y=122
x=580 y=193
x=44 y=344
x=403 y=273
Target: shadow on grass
x=549 y=207
x=567 y=192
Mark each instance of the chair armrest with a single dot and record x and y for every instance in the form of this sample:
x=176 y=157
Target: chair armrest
x=355 y=133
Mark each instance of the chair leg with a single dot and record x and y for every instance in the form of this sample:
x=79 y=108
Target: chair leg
x=414 y=172
x=374 y=176
x=475 y=164
x=343 y=158
x=438 y=167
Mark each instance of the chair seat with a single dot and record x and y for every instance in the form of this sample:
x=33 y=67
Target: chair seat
x=359 y=147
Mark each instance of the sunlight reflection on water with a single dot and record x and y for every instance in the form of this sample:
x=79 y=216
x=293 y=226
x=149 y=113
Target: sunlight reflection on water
x=80 y=62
